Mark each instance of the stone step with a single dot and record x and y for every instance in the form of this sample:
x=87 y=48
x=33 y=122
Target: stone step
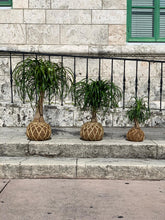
x=75 y=147
x=95 y=168
x=66 y=142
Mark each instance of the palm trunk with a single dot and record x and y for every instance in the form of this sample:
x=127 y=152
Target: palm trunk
x=136 y=123
x=94 y=117
x=38 y=117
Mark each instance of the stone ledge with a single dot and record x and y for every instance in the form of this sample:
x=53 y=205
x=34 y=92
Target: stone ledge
x=100 y=168
x=37 y=167
x=66 y=142
x=133 y=169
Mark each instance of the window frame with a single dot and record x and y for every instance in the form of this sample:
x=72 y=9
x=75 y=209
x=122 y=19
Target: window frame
x=156 y=37
x=6 y=3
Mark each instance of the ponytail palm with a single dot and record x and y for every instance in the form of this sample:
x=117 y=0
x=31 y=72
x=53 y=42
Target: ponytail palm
x=96 y=95
x=138 y=112
x=38 y=79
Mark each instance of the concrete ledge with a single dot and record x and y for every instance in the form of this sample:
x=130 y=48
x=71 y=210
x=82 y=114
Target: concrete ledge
x=37 y=167
x=74 y=147
x=133 y=169
x=82 y=149
x=100 y=168
x=66 y=142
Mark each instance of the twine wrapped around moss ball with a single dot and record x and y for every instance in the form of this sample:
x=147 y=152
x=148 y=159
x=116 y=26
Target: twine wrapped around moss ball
x=92 y=131
x=135 y=134
x=38 y=131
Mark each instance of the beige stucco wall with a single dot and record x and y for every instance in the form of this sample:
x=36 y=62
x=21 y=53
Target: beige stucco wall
x=70 y=26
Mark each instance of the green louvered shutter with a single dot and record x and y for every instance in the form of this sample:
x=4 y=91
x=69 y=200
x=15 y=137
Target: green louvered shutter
x=162 y=18
x=5 y=2
x=142 y=22
x=146 y=20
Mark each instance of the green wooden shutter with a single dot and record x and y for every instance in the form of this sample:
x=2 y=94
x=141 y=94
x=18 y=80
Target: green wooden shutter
x=5 y=2
x=142 y=22
x=162 y=18
x=142 y=3
x=146 y=20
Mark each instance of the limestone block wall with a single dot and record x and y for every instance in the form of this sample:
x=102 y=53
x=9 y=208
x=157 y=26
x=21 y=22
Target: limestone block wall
x=70 y=26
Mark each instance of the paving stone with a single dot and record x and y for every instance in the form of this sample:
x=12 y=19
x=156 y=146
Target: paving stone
x=63 y=199
x=3 y=183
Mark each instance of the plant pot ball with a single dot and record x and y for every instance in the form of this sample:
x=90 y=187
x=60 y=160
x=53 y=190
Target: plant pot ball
x=92 y=131
x=135 y=134
x=38 y=131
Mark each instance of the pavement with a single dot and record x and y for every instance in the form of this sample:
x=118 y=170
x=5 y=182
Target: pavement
x=70 y=199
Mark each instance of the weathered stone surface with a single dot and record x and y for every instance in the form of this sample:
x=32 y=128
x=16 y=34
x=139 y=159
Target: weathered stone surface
x=9 y=167
x=43 y=34
x=121 y=169
x=12 y=34
x=15 y=115
x=38 y=167
x=113 y=4
x=13 y=149
x=34 y=16
x=11 y=16
x=117 y=34
x=156 y=170
x=109 y=17
x=76 y=4
x=61 y=49
x=39 y=4
x=67 y=147
x=58 y=117
x=160 y=149
x=104 y=168
x=87 y=34
x=68 y=116
x=20 y=4
x=68 y=17
x=18 y=114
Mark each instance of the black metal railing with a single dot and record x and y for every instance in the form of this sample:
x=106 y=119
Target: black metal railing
x=152 y=74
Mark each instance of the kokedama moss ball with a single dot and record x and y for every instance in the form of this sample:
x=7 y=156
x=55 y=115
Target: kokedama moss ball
x=38 y=131
x=135 y=134
x=92 y=131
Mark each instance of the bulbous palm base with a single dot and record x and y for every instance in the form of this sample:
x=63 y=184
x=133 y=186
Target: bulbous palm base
x=92 y=131
x=38 y=131
x=135 y=134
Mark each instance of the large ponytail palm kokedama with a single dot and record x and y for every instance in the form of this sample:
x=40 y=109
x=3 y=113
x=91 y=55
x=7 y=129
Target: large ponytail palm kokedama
x=38 y=79
x=96 y=96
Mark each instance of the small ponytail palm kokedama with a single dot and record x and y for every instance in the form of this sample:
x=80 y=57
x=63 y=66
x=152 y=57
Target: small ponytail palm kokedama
x=137 y=113
x=94 y=96
x=38 y=79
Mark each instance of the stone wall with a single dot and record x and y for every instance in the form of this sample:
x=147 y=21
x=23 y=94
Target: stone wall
x=19 y=114
x=70 y=26
x=92 y=27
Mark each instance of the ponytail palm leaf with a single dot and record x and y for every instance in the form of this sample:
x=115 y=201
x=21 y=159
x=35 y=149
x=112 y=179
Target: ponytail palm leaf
x=37 y=78
x=96 y=95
